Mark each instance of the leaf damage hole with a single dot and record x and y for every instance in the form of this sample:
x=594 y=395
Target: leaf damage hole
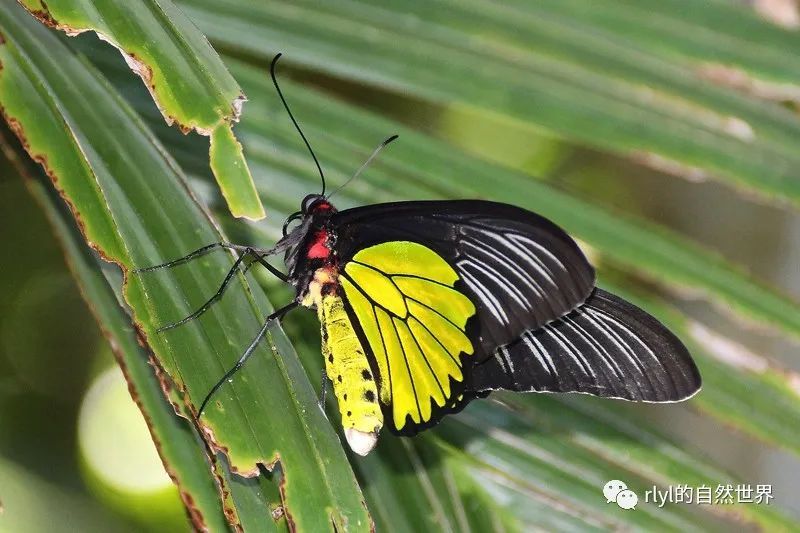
x=277 y=512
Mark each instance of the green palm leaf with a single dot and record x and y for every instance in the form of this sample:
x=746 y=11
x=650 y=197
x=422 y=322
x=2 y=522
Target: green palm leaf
x=135 y=210
x=184 y=75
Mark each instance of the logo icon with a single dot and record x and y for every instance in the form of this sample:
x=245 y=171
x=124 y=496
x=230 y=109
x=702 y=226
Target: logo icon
x=617 y=491
x=612 y=488
x=627 y=499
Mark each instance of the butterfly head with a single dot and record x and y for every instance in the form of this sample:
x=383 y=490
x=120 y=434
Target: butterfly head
x=312 y=205
x=306 y=238
x=315 y=204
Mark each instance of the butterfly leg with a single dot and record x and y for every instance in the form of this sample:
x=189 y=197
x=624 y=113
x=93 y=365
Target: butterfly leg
x=247 y=251
x=260 y=259
x=247 y=353
x=203 y=308
x=193 y=255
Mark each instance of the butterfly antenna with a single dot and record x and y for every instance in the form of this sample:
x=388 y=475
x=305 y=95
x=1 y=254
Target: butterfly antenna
x=366 y=164
x=291 y=116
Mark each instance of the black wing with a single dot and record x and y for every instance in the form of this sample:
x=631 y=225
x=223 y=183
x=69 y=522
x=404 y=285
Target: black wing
x=606 y=347
x=522 y=270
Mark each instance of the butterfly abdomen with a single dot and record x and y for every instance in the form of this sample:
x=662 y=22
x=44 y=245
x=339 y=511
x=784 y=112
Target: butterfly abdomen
x=346 y=363
x=348 y=368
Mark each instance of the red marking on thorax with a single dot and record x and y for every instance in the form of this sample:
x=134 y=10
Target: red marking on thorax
x=318 y=249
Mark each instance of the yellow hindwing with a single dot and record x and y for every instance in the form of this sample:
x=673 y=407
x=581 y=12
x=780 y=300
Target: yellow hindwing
x=414 y=320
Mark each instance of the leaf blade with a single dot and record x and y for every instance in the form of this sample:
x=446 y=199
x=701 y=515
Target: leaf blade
x=644 y=107
x=185 y=76
x=127 y=181
x=175 y=440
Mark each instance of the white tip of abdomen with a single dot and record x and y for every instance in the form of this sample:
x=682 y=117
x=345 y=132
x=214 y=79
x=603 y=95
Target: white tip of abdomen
x=360 y=442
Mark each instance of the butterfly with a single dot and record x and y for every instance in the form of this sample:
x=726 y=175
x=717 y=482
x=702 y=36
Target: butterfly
x=425 y=306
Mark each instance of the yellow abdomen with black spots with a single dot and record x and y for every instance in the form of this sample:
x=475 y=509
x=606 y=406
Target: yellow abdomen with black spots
x=348 y=369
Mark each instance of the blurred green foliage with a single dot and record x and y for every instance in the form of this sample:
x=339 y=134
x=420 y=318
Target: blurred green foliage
x=51 y=347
